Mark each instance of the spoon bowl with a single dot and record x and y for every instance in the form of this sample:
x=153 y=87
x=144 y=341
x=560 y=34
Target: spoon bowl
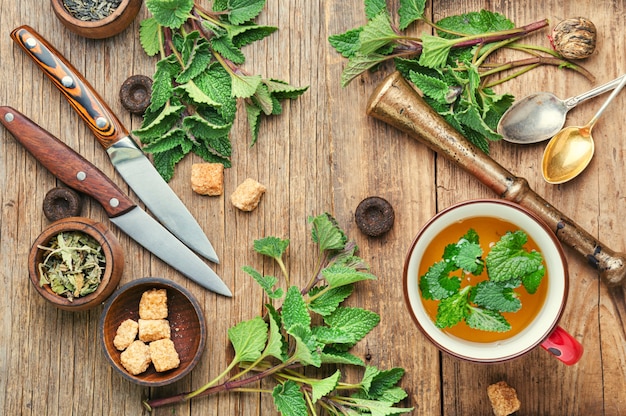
x=570 y=150
x=538 y=117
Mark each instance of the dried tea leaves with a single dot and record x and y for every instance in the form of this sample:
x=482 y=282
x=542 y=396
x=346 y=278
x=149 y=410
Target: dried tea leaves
x=73 y=265
x=91 y=10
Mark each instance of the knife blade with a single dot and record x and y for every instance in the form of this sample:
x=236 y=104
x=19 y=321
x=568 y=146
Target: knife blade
x=128 y=159
x=78 y=173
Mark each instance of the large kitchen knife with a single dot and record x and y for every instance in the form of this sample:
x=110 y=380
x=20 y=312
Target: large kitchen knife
x=78 y=173
x=126 y=156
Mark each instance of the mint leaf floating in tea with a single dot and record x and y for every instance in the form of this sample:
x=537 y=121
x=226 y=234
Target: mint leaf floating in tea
x=73 y=264
x=509 y=265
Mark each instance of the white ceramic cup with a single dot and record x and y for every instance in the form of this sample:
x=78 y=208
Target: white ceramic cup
x=543 y=330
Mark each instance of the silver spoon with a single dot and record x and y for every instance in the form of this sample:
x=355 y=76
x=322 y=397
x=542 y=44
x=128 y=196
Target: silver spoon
x=540 y=116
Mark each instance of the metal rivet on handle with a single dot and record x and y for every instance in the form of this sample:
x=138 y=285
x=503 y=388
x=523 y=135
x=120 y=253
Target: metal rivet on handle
x=114 y=202
x=30 y=43
x=8 y=117
x=67 y=81
x=101 y=122
x=81 y=176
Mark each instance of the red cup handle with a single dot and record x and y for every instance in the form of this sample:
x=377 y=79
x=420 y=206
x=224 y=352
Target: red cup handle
x=563 y=346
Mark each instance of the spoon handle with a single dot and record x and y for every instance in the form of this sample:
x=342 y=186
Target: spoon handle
x=608 y=101
x=396 y=103
x=574 y=101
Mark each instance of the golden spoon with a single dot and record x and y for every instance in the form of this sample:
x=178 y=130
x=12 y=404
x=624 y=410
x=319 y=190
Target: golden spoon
x=569 y=152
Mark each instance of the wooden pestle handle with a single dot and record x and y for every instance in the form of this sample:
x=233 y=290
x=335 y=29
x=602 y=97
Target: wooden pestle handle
x=395 y=102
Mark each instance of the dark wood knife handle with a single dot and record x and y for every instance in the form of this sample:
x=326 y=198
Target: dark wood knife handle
x=80 y=94
x=64 y=163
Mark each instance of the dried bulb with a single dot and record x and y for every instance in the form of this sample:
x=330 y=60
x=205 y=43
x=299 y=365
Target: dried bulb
x=574 y=38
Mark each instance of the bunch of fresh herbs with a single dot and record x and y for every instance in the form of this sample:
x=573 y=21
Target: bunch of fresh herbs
x=311 y=328
x=73 y=264
x=451 y=68
x=200 y=77
x=509 y=266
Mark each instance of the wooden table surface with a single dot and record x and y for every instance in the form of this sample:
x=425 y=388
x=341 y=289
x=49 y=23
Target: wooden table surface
x=322 y=154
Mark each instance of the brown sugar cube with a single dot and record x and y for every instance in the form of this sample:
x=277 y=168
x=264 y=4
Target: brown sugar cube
x=207 y=178
x=247 y=195
x=125 y=334
x=503 y=399
x=153 y=329
x=164 y=355
x=153 y=304
x=136 y=358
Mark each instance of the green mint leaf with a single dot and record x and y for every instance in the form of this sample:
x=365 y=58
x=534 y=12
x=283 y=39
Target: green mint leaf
x=378 y=408
x=475 y=23
x=162 y=90
x=532 y=280
x=337 y=275
x=295 y=311
x=248 y=339
x=355 y=321
x=469 y=257
x=496 y=296
x=282 y=90
x=326 y=233
x=334 y=356
x=196 y=94
x=207 y=125
x=410 y=11
x=435 y=51
x=253 y=115
x=242 y=11
x=486 y=320
x=170 y=13
x=323 y=387
x=508 y=259
x=149 y=35
x=376 y=382
x=168 y=141
x=244 y=86
x=162 y=122
x=327 y=302
x=263 y=99
x=276 y=344
x=393 y=395
x=289 y=399
x=225 y=47
x=374 y=7
x=247 y=34
x=436 y=285
x=331 y=336
x=347 y=44
x=216 y=83
x=376 y=34
x=164 y=162
x=471 y=117
x=266 y=282
x=453 y=309
x=273 y=247
x=196 y=57
x=308 y=349
x=432 y=87
x=358 y=64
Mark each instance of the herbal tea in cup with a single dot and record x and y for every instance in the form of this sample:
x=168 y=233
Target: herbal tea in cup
x=487 y=281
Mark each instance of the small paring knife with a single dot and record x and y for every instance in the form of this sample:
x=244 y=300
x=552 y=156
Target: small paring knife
x=128 y=159
x=78 y=173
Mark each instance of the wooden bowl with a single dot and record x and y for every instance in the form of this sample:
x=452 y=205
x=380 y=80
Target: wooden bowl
x=187 y=325
x=111 y=25
x=113 y=253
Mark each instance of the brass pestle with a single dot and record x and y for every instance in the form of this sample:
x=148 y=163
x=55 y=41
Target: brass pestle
x=395 y=102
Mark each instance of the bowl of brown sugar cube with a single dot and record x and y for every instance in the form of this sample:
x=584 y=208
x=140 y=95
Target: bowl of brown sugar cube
x=152 y=331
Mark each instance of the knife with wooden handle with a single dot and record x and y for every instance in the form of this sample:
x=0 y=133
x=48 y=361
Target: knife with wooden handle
x=78 y=173
x=128 y=159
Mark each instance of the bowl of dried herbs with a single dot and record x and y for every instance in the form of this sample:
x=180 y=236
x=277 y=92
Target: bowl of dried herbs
x=76 y=263
x=96 y=19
